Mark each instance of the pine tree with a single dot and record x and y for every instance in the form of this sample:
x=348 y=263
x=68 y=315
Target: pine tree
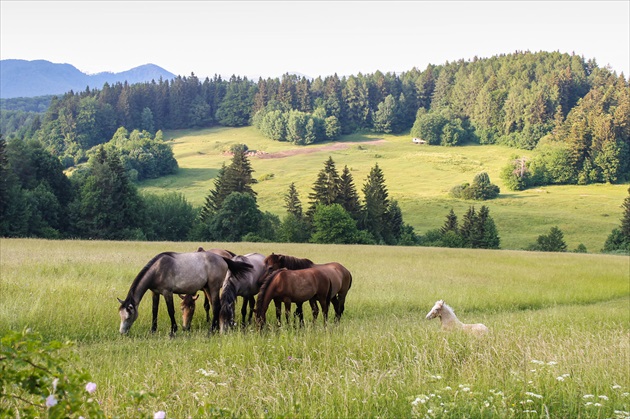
x=326 y=187
x=376 y=204
x=237 y=177
x=451 y=223
x=348 y=196
x=292 y=201
x=468 y=228
x=487 y=236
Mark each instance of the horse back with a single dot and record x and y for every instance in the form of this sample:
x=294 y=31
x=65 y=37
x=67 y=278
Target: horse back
x=340 y=277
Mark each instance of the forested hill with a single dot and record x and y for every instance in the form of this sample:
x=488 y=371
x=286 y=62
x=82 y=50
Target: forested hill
x=22 y=78
x=575 y=109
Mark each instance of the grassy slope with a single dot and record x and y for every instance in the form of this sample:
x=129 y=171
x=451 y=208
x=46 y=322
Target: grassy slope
x=419 y=177
x=568 y=311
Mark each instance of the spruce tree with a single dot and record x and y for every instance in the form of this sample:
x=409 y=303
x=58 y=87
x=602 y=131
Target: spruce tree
x=468 y=227
x=487 y=236
x=348 y=196
x=451 y=223
x=292 y=201
x=326 y=187
x=237 y=177
x=376 y=204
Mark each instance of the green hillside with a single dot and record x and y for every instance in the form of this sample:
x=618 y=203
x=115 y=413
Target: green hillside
x=418 y=176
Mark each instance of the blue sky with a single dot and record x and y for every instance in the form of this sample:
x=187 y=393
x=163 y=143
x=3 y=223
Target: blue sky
x=265 y=38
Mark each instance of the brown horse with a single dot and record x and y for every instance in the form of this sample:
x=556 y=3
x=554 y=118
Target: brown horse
x=340 y=277
x=178 y=273
x=189 y=301
x=286 y=286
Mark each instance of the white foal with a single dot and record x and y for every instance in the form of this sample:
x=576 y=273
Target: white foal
x=450 y=321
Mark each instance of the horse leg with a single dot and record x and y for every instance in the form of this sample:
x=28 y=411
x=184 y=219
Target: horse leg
x=244 y=310
x=278 y=305
x=252 y=305
x=299 y=313
x=156 y=303
x=171 y=312
x=287 y=310
x=341 y=306
x=336 y=305
x=216 y=309
x=313 y=303
x=206 y=306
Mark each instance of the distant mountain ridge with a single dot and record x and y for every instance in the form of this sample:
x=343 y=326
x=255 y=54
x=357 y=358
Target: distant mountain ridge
x=22 y=78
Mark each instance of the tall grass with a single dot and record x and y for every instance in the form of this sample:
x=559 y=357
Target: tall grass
x=559 y=343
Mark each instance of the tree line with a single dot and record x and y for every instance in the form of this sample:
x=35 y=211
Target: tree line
x=570 y=109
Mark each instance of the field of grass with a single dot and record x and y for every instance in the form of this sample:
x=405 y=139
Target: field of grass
x=559 y=341
x=419 y=177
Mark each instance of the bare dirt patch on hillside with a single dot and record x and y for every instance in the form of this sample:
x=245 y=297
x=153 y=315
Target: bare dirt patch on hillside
x=325 y=147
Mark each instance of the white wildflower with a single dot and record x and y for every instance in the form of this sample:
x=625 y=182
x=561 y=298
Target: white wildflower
x=51 y=400
x=206 y=373
x=603 y=397
x=90 y=387
x=552 y=363
x=535 y=361
x=588 y=403
x=160 y=414
x=560 y=378
x=587 y=396
x=616 y=387
x=538 y=396
x=597 y=404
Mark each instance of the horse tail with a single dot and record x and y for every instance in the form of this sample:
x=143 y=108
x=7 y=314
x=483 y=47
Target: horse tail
x=238 y=269
x=228 y=296
x=329 y=294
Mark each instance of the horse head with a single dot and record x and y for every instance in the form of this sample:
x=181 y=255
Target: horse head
x=273 y=262
x=128 y=312
x=188 y=309
x=436 y=311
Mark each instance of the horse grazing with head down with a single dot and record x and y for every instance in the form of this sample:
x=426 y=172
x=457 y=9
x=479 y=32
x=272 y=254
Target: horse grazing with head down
x=247 y=286
x=178 y=273
x=286 y=286
x=189 y=301
x=450 y=321
x=340 y=277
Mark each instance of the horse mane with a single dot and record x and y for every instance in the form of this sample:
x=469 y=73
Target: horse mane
x=144 y=270
x=293 y=263
x=264 y=286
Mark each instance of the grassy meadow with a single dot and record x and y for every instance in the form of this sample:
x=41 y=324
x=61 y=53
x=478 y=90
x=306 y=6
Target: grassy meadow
x=418 y=176
x=559 y=341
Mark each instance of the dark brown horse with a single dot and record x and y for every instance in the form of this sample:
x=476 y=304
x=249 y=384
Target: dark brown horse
x=286 y=286
x=189 y=301
x=340 y=277
x=178 y=273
